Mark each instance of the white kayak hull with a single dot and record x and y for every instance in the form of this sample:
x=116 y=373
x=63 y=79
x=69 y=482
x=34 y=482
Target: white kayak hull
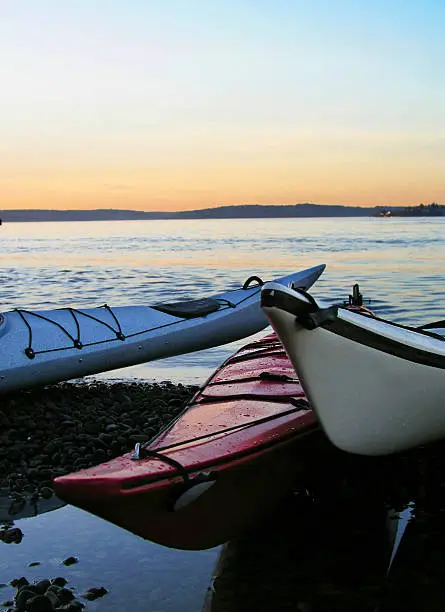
x=42 y=347
x=377 y=388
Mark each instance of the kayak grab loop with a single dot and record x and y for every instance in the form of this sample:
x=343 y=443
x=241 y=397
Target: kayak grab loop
x=253 y=279
x=144 y=453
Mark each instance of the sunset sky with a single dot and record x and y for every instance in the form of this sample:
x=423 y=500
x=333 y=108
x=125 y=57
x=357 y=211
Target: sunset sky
x=183 y=104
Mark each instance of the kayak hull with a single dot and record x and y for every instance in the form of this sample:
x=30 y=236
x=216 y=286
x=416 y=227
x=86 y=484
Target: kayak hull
x=224 y=463
x=43 y=347
x=377 y=388
x=243 y=493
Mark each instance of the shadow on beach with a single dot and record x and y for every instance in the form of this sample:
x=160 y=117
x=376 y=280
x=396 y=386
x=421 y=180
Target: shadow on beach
x=340 y=547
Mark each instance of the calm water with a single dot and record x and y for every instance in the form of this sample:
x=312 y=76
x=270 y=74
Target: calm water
x=399 y=263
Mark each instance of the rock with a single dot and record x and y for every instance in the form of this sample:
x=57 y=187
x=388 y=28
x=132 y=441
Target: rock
x=175 y=402
x=106 y=438
x=92 y=428
x=18 y=583
x=65 y=596
x=53 y=588
x=20 y=484
x=30 y=587
x=94 y=593
x=68 y=423
x=39 y=603
x=52 y=596
x=11 y=536
x=42 y=585
x=52 y=446
x=46 y=483
x=46 y=492
x=21 y=598
x=33 y=474
x=34 y=564
x=59 y=581
x=45 y=472
x=70 y=560
x=115 y=447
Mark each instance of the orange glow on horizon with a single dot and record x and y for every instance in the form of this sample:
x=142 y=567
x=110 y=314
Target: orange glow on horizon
x=211 y=166
x=188 y=188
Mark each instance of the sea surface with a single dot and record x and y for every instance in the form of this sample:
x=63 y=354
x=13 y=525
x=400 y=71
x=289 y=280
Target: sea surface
x=399 y=264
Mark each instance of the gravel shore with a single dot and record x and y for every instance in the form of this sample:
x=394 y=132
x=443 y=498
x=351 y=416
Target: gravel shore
x=62 y=428
x=58 y=429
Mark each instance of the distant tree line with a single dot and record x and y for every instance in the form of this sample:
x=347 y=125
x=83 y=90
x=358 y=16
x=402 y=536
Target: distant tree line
x=422 y=210
x=242 y=211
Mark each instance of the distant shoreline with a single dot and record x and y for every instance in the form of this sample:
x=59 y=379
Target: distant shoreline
x=247 y=211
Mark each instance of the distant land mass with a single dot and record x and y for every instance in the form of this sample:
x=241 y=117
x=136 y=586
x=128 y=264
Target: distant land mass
x=243 y=211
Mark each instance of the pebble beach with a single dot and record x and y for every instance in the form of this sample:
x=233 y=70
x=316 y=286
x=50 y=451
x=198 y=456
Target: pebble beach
x=55 y=430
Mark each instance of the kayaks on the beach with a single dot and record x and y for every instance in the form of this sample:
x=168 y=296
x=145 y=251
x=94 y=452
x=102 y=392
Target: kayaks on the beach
x=225 y=462
x=377 y=387
x=48 y=346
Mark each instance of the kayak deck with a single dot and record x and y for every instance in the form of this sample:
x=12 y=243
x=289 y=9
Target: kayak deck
x=225 y=462
x=48 y=346
x=241 y=411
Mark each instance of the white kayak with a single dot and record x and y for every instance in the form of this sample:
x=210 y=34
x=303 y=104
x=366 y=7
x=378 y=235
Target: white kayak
x=48 y=346
x=376 y=387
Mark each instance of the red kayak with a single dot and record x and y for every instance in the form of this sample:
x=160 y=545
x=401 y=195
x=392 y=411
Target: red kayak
x=223 y=463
